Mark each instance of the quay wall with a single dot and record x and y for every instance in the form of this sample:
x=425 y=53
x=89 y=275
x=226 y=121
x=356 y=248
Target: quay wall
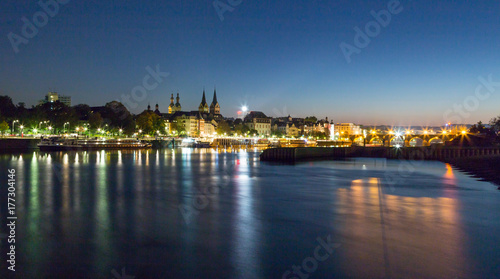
x=440 y=153
x=7 y=144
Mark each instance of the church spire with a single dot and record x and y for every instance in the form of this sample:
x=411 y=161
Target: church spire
x=214 y=107
x=215 y=96
x=203 y=99
x=203 y=105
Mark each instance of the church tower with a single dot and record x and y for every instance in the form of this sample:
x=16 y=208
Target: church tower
x=203 y=108
x=178 y=104
x=215 y=107
x=171 y=107
x=157 y=109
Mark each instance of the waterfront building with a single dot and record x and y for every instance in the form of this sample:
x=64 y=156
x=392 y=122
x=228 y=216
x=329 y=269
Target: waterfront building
x=292 y=130
x=257 y=120
x=347 y=129
x=321 y=126
x=280 y=127
x=289 y=126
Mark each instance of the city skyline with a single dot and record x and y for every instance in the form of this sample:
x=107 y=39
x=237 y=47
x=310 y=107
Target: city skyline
x=272 y=57
x=241 y=114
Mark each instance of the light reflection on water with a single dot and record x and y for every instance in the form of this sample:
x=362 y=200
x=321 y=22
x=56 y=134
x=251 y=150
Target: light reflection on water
x=87 y=213
x=397 y=241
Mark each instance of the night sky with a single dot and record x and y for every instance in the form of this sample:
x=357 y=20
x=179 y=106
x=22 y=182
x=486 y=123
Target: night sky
x=280 y=57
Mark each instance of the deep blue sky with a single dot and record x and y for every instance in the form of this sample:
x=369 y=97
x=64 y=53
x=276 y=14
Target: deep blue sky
x=280 y=57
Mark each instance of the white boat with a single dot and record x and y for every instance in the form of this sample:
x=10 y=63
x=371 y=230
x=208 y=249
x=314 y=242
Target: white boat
x=63 y=143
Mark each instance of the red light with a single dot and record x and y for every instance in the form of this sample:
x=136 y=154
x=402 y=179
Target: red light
x=239 y=112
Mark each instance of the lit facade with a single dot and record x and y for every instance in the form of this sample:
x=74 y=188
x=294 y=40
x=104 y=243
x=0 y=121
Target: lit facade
x=52 y=97
x=347 y=129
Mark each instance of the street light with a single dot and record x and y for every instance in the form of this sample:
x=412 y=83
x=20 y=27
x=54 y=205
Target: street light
x=14 y=125
x=40 y=124
x=50 y=129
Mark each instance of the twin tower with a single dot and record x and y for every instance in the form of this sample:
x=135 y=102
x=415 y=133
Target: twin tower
x=203 y=108
x=214 y=107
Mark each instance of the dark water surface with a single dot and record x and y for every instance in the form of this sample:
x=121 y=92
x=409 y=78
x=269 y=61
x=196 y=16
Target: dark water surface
x=205 y=214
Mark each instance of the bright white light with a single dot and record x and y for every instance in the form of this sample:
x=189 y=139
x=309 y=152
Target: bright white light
x=244 y=108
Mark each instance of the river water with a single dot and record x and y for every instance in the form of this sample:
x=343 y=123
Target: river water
x=188 y=213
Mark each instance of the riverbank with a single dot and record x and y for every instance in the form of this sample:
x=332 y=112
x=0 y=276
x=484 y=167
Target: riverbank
x=486 y=168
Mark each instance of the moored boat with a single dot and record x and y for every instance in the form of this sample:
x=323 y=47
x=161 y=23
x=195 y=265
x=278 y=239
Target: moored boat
x=62 y=143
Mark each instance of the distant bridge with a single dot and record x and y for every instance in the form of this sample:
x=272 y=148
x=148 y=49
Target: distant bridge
x=405 y=140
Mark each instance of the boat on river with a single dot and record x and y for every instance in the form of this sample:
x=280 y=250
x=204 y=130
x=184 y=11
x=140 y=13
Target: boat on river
x=63 y=143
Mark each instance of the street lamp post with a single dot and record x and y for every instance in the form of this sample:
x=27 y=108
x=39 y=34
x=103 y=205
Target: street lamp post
x=40 y=124
x=14 y=125
x=64 y=127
